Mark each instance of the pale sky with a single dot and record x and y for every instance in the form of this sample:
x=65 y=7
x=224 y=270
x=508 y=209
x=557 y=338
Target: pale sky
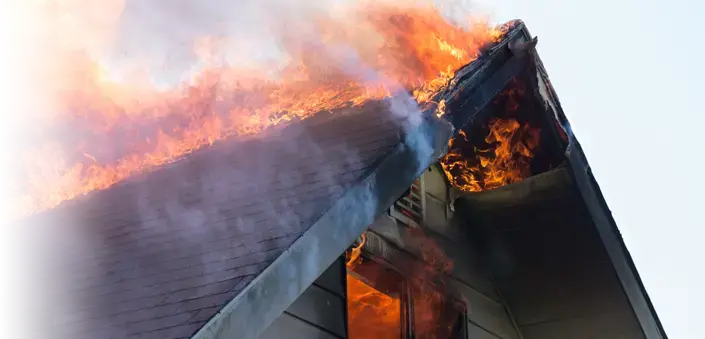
x=630 y=75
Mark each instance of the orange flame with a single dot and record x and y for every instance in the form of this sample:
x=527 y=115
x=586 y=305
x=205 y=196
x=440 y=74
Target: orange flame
x=374 y=314
x=354 y=255
x=507 y=157
x=508 y=160
x=371 y=313
x=411 y=46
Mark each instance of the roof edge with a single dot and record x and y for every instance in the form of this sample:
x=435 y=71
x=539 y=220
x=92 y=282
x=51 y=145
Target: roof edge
x=265 y=298
x=614 y=244
x=605 y=224
x=603 y=220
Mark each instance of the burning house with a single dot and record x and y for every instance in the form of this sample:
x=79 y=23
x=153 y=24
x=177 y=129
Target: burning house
x=478 y=218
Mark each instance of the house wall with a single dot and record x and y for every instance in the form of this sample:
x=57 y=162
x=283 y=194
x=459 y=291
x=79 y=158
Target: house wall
x=319 y=313
x=468 y=280
x=561 y=283
x=548 y=261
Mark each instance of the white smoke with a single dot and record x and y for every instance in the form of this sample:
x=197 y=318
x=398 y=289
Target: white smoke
x=248 y=32
x=401 y=104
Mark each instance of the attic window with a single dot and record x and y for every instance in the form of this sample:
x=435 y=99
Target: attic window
x=409 y=209
x=387 y=305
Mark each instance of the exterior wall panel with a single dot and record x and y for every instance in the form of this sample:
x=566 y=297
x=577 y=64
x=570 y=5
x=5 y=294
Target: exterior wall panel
x=288 y=326
x=607 y=325
x=319 y=313
x=476 y=332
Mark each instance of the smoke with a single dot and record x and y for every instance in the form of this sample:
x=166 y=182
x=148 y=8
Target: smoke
x=458 y=11
x=173 y=38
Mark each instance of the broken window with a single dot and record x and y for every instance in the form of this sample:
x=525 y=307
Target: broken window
x=385 y=304
x=435 y=315
x=372 y=313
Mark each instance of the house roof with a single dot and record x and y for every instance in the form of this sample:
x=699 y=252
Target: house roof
x=159 y=255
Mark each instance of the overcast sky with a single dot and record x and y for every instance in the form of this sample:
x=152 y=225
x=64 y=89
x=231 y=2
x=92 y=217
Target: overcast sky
x=630 y=75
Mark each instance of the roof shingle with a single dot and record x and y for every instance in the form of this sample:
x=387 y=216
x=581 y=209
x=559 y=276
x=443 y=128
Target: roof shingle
x=158 y=255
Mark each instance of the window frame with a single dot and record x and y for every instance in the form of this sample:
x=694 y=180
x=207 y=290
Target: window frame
x=407 y=300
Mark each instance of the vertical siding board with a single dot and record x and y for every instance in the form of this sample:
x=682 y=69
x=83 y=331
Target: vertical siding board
x=320 y=308
x=288 y=326
x=333 y=279
x=319 y=313
x=476 y=332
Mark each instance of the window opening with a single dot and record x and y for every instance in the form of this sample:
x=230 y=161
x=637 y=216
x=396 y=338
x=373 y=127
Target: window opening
x=383 y=303
x=374 y=302
x=410 y=208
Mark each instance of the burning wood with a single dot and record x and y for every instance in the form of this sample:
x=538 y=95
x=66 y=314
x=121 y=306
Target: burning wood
x=504 y=155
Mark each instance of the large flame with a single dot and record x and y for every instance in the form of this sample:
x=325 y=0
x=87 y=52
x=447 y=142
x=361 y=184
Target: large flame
x=371 y=313
x=504 y=159
x=375 y=314
x=105 y=126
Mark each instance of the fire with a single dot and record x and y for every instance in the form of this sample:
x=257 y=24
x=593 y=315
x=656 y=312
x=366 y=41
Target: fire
x=371 y=313
x=376 y=314
x=505 y=159
x=107 y=126
x=354 y=255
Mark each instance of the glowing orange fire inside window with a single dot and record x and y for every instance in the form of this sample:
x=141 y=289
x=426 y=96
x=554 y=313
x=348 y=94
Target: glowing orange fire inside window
x=371 y=313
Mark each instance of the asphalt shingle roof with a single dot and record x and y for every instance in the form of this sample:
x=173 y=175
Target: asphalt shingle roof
x=158 y=255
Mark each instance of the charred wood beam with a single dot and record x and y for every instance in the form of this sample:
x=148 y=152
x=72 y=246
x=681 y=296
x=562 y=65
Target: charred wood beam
x=473 y=89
